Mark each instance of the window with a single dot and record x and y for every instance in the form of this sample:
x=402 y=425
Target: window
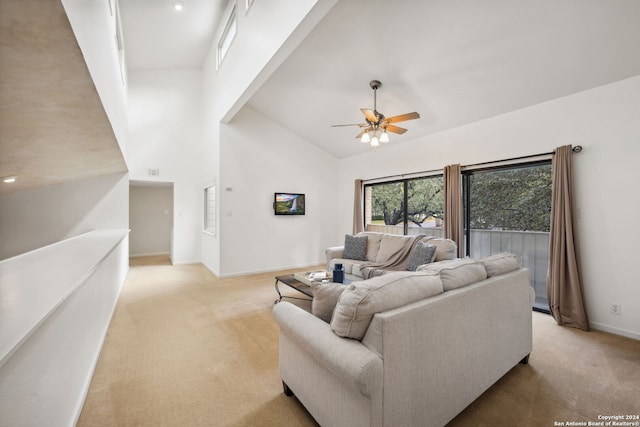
x=227 y=36
x=409 y=206
x=509 y=210
x=210 y=209
x=119 y=42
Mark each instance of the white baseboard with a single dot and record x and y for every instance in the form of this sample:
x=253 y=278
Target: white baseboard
x=288 y=267
x=617 y=331
x=186 y=262
x=149 y=254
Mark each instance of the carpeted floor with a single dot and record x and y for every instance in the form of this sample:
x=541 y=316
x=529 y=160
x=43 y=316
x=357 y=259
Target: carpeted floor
x=188 y=349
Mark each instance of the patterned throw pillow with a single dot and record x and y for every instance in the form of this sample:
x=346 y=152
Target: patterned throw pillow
x=422 y=253
x=355 y=247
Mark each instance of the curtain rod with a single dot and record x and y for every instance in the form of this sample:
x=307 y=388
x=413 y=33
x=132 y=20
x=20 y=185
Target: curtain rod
x=576 y=149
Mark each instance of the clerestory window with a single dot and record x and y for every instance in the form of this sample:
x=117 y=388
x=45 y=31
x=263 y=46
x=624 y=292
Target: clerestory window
x=227 y=36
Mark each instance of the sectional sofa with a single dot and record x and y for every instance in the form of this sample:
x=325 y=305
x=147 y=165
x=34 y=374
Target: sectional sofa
x=375 y=253
x=407 y=348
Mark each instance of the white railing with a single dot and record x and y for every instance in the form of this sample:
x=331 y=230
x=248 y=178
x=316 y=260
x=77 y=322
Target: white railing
x=399 y=229
x=531 y=246
x=56 y=303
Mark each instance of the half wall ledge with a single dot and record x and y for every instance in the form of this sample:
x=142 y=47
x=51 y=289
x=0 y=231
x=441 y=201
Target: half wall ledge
x=56 y=303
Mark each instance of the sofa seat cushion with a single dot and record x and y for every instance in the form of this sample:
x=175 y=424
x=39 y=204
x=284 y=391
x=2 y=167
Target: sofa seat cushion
x=361 y=300
x=456 y=273
x=501 y=263
x=357 y=269
x=347 y=264
x=325 y=298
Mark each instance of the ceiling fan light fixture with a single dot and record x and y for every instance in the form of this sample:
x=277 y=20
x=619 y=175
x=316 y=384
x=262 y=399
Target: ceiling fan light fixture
x=384 y=137
x=377 y=125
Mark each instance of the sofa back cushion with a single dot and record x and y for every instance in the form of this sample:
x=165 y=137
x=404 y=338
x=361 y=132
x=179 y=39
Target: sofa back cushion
x=501 y=263
x=373 y=244
x=456 y=273
x=361 y=300
x=447 y=249
x=391 y=245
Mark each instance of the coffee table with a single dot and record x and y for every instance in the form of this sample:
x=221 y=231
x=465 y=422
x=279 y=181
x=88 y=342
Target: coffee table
x=293 y=283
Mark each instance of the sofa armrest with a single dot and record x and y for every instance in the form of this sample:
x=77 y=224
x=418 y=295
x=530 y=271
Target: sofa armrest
x=333 y=253
x=348 y=359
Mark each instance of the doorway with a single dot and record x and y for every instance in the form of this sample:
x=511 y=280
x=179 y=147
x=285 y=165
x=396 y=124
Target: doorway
x=151 y=222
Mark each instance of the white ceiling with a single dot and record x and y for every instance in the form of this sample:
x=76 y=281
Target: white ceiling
x=453 y=61
x=158 y=37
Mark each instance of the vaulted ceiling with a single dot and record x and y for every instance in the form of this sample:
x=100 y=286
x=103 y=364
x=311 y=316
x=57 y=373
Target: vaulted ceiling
x=453 y=61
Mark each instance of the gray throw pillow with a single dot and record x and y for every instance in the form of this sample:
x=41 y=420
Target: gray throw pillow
x=355 y=247
x=422 y=253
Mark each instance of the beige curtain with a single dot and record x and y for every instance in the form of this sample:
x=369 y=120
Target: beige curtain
x=563 y=281
x=358 y=223
x=453 y=206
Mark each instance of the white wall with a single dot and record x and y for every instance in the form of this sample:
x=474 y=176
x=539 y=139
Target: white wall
x=39 y=217
x=604 y=121
x=260 y=158
x=165 y=133
x=150 y=220
x=267 y=34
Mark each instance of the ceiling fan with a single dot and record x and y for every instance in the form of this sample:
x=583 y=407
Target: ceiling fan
x=377 y=125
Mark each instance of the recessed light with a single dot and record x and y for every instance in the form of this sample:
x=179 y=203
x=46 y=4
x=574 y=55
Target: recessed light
x=178 y=6
x=9 y=179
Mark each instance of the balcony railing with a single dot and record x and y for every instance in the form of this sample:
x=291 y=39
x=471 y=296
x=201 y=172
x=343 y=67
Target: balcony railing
x=531 y=246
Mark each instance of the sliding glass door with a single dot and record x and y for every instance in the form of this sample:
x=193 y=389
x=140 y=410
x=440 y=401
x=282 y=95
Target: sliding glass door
x=508 y=210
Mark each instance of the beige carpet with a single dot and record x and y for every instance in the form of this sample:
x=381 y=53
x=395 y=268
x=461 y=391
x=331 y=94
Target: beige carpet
x=187 y=349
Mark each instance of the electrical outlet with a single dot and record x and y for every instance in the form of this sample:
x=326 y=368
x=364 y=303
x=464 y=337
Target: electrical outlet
x=615 y=309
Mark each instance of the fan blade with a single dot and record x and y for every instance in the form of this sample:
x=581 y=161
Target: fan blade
x=395 y=129
x=362 y=132
x=401 y=118
x=352 y=124
x=369 y=114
